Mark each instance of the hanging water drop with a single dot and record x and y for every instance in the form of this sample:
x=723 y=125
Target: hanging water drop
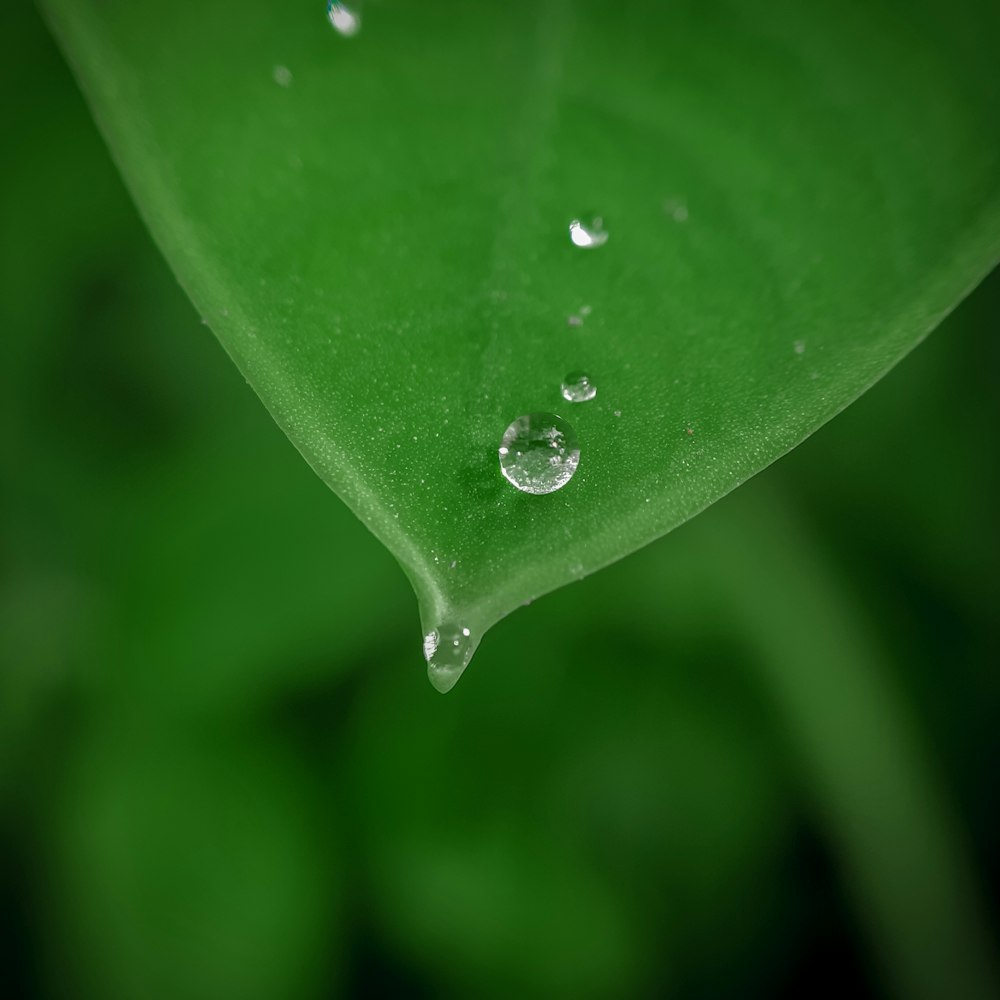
x=539 y=453
x=345 y=20
x=578 y=388
x=594 y=235
x=447 y=650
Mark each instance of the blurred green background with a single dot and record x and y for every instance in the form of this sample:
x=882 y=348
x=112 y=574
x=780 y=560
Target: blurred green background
x=756 y=759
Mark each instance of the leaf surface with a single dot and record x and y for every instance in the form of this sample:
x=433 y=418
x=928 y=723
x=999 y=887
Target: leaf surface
x=376 y=228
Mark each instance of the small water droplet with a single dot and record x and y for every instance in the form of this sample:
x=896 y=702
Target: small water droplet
x=447 y=650
x=282 y=76
x=618 y=413
x=594 y=235
x=799 y=346
x=539 y=453
x=345 y=20
x=574 y=320
x=577 y=388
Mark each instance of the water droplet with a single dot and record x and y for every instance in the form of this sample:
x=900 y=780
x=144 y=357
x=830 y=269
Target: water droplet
x=539 y=453
x=593 y=235
x=282 y=76
x=447 y=650
x=577 y=388
x=799 y=346
x=574 y=320
x=345 y=20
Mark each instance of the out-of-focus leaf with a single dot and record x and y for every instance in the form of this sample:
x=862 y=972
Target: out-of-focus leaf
x=186 y=867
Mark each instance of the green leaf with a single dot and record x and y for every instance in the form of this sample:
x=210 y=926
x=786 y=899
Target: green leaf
x=376 y=229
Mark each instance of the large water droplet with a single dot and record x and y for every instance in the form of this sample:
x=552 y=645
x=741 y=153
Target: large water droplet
x=345 y=20
x=594 y=235
x=539 y=453
x=577 y=388
x=447 y=650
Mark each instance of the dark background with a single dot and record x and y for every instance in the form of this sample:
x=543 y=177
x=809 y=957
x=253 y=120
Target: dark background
x=756 y=759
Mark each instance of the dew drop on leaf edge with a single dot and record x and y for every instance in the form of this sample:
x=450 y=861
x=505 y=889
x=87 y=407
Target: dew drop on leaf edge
x=448 y=650
x=539 y=453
